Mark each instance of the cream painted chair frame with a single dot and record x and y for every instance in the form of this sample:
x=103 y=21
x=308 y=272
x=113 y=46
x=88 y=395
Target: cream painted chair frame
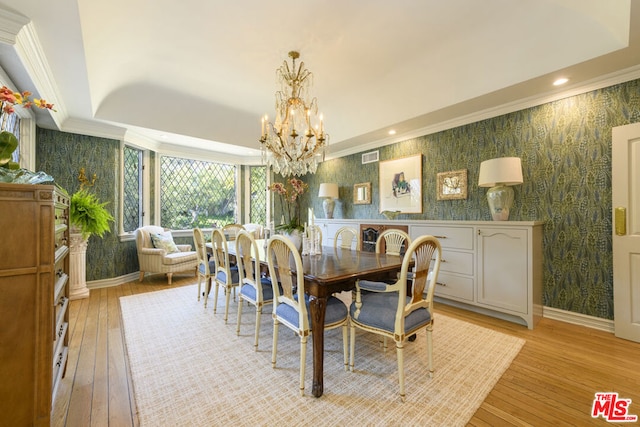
x=248 y=258
x=224 y=272
x=204 y=269
x=393 y=239
x=347 y=236
x=232 y=230
x=280 y=252
x=427 y=253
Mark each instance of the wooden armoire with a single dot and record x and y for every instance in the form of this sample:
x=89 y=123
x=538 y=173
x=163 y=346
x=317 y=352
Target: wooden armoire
x=34 y=268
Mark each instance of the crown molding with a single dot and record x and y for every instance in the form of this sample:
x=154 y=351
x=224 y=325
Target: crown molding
x=19 y=34
x=92 y=128
x=10 y=25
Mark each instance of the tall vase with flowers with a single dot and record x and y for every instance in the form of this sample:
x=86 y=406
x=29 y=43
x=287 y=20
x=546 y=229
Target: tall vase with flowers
x=289 y=194
x=9 y=169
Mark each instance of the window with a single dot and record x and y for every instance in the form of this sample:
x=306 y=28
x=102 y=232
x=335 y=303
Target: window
x=132 y=210
x=258 y=194
x=196 y=193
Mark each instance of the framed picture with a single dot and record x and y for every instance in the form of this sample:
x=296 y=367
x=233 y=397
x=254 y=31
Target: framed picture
x=452 y=185
x=401 y=185
x=362 y=193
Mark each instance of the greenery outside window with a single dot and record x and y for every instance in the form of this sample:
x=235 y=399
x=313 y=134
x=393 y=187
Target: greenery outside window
x=132 y=209
x=258 y=194
x=196 y=193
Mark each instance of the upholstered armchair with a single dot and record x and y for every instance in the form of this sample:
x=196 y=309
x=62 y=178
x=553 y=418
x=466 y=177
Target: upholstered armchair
x=157 y=253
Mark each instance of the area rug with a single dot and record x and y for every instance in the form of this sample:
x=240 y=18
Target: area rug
x=189 y=368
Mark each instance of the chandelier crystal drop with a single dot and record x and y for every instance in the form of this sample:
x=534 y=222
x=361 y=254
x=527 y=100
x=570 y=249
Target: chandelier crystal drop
x=294 y=143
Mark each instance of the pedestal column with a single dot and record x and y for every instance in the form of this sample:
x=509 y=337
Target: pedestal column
x=77 y=267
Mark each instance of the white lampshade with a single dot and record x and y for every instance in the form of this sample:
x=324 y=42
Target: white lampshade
x=328 y=190
x=503 y=170
x=500 y=174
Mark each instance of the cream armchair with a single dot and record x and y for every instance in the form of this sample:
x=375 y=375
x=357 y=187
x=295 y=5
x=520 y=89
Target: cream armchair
x=168 y=258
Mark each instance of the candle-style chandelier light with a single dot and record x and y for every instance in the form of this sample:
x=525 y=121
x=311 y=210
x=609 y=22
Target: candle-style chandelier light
x=295 y=142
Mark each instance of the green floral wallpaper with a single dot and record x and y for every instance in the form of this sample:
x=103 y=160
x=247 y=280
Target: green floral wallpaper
x=565 y=148
x=62 y=155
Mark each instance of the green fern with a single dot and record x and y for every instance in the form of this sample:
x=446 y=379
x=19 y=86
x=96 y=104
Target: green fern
x=89 y=215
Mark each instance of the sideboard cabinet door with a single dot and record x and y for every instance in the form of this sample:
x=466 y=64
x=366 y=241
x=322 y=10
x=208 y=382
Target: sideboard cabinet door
x=503 y=269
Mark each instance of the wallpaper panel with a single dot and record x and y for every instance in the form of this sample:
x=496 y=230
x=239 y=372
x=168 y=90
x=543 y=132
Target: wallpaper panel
x=61 y=155
x=565 y=147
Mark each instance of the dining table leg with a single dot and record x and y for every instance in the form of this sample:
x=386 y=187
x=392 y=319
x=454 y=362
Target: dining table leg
x=318 y=306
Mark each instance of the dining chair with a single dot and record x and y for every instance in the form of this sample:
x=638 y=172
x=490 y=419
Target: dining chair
x=226 y=276
x=345 y=238
x=231 y=230
x=206 y=267
x=394 y=312
x=256 y=229
x=393 y=241
x=291 y=304
x=254 y=289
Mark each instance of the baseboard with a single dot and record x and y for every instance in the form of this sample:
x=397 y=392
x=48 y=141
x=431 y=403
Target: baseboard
x=598 y=323
x=114 y=281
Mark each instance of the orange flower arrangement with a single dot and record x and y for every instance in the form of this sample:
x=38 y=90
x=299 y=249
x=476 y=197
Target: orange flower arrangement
x=11 y=98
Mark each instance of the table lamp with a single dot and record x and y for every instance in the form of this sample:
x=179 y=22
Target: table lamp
x=330 y=192
x=500 y=174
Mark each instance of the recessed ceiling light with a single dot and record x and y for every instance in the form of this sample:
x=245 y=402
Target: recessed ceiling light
x=392 y=132
x=560 y=81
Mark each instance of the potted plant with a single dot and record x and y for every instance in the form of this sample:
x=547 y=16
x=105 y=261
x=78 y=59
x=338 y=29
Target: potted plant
x=87 y=217
x=290 y=193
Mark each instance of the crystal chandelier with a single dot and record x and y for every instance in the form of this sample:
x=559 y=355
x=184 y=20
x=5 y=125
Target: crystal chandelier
x=295 y=142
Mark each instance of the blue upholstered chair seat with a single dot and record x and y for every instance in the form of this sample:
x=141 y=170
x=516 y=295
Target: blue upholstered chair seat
x=336 y=312
x=369 y=285
x=267 y=290
x=379 y=311
x=222 y=276
x=212 y=267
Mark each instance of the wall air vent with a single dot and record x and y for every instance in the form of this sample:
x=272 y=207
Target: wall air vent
x=370 y=157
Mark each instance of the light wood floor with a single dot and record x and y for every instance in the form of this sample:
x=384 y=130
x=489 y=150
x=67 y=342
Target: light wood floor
x=551 y=382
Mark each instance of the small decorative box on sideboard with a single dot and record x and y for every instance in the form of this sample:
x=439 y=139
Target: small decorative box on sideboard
x=34 y=268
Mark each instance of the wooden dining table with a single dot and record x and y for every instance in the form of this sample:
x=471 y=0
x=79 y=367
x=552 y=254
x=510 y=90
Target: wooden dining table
x=334 y=270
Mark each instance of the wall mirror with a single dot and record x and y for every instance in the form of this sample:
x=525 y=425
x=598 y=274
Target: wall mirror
x=362 y=193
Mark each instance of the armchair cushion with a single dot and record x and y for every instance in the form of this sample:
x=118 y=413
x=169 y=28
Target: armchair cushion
x=164 y=241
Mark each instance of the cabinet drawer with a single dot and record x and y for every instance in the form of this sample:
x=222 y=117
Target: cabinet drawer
x=457 y=262
x=450 y=285
x=449 y=237
x=60 y=310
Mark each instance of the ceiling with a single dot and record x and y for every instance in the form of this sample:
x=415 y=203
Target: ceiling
x=199 y=74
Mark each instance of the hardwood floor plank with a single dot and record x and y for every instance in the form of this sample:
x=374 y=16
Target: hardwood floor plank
x=82 y=392
x=551 y=382
x=120 y=409
x=100 y=395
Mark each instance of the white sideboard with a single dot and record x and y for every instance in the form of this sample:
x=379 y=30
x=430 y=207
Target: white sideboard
x=492 y=267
